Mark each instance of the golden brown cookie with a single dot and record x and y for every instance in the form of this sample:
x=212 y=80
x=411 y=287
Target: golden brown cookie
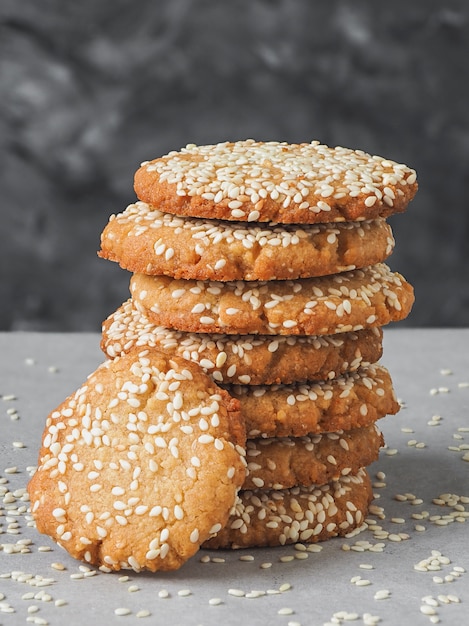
x=365 y=298
x=348 y=401
x=246 y=359
x=284 y=462
x=143 y=239
x=141 y=465
x=301 y=514
x=275 y=181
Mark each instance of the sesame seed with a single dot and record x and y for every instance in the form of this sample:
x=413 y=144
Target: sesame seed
x=122 y=611
x=239 y=593
x=427 y=610
x=382 y=594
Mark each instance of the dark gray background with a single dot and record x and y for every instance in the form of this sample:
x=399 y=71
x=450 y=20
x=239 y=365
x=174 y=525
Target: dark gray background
x=90 y=89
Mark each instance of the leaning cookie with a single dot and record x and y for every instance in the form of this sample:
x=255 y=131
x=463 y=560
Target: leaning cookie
x=349 y=401
x=275 y=181
x=284 y=462
x=301 y=514
x=245 y=359
x=145 y=240
x=141 y=465
x=351 y=301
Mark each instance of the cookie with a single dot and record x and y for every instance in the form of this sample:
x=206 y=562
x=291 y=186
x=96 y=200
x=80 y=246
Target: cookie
x=246 y=359
x=349 y=401
x=141 y=465
x=143 y=239
x=275 y=182
x=365 y=298
x=284 y=462
x=301 y=514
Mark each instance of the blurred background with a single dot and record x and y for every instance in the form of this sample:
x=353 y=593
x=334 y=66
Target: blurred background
x=90 y=89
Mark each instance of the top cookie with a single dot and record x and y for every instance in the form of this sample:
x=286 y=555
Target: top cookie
x=253 y=181
x=141 y=465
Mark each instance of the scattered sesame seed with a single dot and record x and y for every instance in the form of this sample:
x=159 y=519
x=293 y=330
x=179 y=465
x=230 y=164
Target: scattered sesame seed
x=427 y=610
x=285 y=611
x=382 y=594
x=58 y=566
x=183 y=593
x=122 y=611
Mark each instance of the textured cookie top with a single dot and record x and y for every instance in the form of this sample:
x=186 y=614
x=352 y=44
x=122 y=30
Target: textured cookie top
x=146 y=240
x=365 y=298
x=140 y=465
x=275 y=181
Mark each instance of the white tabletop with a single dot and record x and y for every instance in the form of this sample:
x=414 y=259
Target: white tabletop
x=370 y=578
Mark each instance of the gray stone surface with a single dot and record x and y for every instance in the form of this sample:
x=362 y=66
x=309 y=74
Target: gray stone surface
x=90 y=89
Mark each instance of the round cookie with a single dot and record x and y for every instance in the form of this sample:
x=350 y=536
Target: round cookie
x=349 y=401
x=275 y=181
x=365 y=298
x=142 y=239
x=140 y=465
x=301 y=514
x=245 y=359
x=284 y=462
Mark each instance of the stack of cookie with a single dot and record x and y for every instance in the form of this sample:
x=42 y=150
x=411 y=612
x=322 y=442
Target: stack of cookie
x=264 y=264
